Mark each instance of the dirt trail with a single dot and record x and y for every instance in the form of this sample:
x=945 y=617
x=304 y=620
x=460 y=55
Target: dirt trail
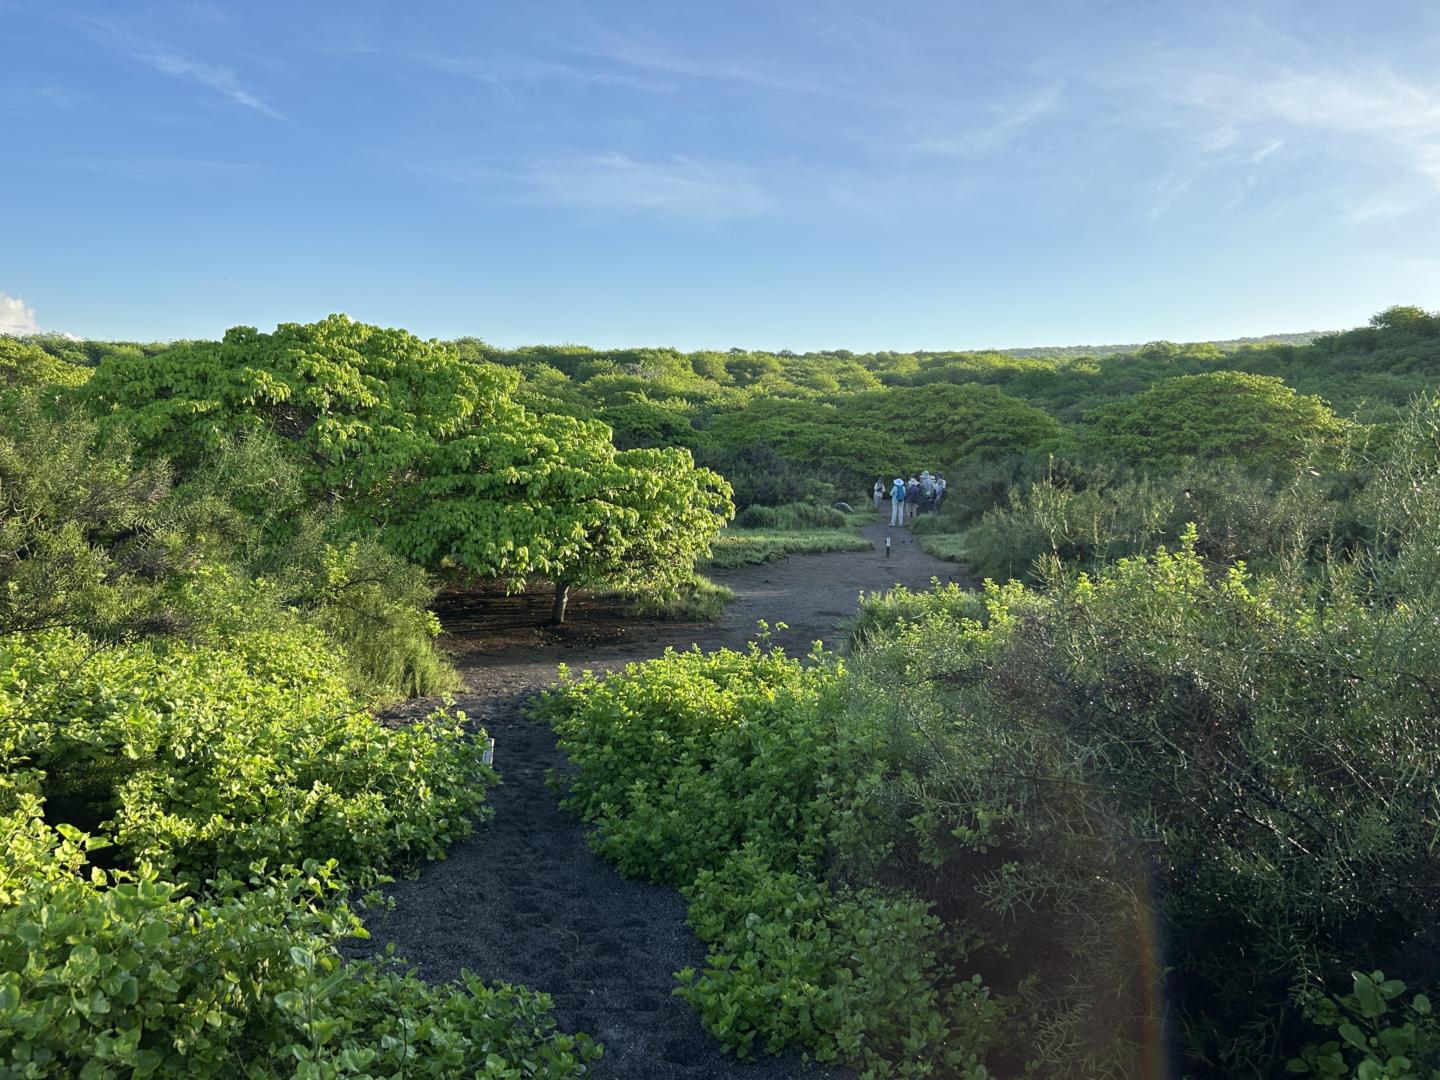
x=524 y=900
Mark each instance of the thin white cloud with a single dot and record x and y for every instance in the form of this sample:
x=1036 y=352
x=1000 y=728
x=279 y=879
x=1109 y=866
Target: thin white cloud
x=1370 y=106
x=1379 y=210
x=1266 y=150
x=16 y=316
x=1366 y=137
x=515 y=71
x=676 y=187
x=992 y=128
x=161 y=58
x=648 y=56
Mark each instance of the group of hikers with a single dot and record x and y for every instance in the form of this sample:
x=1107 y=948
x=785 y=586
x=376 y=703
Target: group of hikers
x=918 y=495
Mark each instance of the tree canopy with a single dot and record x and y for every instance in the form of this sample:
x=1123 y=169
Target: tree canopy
x=428 y=449
x=1249 y=418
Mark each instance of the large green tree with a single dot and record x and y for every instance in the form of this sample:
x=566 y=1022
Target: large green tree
x=560 y=502
x=426 y=449
x=359 y=404
x=1255 y=419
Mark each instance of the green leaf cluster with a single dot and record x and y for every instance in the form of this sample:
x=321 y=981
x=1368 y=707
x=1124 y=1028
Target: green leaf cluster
x=1379 y=1034
x=738 y=776
x=123 y=974
x=423 y=450
x=197 y=759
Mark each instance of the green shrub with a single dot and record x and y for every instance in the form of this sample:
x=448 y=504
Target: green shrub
x=738 y=776
x=198 y=759
x=93 y=541
x=882 y=612
x=757 y=517
x=1098 y=515
x=743 y=547
x=23 y=364
x=851 y=975
x=1230 y=757
x=697 y=600
x=1249 y=419
x=761 y=477
x=118 y=974
x=681 y=758
x=795 y=516
x=1379 y=1036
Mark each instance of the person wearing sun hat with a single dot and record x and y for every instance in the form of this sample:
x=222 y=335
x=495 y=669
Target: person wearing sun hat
x=897 y=502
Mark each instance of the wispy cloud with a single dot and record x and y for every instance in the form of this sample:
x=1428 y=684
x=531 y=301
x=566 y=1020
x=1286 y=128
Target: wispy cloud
x=168 y=61
x=675 y=187
x=719 y=67
x=1281 y=124
x=513 y=71
x=1372 y=105
x=16 y=316
x=990 y=128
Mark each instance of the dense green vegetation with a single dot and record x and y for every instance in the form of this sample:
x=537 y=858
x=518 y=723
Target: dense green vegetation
x=215 y=562
x=1151 y=806
x=783 y=427
x=1171 y=800
x=1165 y=790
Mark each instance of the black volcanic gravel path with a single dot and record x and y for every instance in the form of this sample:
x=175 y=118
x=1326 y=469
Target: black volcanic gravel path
x=524 y=900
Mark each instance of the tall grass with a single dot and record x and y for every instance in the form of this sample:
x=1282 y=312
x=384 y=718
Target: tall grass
x=745 y=547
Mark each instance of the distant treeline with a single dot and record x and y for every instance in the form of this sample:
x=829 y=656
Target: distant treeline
x=1070 y=352
x=783 y=425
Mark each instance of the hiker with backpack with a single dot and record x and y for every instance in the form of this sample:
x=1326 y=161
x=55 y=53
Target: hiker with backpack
x=879 y=493
x=897 y=502
x=912 y=499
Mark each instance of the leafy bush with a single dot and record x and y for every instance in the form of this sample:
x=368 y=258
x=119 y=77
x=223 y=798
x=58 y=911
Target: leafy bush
x=423 y=451
x=123 y=974
x=948 y=425
x=25 y=365
x=1097 y=515
x=1379 y=1035
x=851 y=975
x=1088 y=525
x=833 y=450
x=1234 y=756
x=882 y=612
x=761 y=477
x=197 y=759
x=737 y=776
x=683 y=757
x=91 y=540
x=1252 y=419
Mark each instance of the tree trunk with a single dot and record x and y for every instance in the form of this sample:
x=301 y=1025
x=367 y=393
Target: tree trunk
x=562 y=597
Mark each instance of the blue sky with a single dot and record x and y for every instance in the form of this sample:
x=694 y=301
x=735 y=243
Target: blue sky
x=758 y=174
